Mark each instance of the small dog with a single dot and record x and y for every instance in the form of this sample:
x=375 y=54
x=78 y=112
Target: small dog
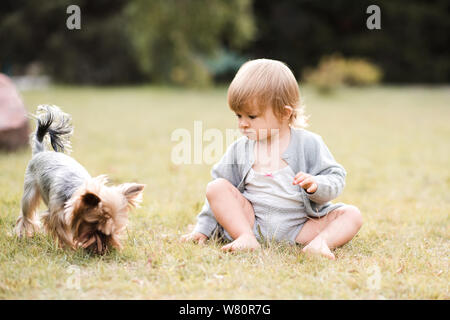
x=82 y=211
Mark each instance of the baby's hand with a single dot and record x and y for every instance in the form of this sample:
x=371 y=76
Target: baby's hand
x=306 y=181
x=194 y=236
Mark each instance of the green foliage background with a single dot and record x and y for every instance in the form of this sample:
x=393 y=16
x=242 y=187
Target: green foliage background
x=196 y=42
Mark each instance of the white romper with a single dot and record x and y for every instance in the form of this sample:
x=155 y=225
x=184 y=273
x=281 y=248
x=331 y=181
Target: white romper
x=278 y=205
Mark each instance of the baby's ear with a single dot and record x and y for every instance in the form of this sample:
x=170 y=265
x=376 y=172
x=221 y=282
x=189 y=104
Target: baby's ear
x=287 y=112
x=132 y=192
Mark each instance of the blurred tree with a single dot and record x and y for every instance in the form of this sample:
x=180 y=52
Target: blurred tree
x=173 y=38
x=190 y=42
x=412 y=45
x=34 y=31
x=123 y=41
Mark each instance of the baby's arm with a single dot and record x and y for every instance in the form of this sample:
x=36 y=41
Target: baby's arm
x=325 y=178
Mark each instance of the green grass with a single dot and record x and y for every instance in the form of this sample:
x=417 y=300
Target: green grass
x=393 y=142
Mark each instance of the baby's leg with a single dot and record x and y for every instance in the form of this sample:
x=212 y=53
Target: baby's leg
x=234 y=213
x=333 y=230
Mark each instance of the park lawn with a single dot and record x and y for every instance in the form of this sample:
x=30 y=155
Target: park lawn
x=393 y=142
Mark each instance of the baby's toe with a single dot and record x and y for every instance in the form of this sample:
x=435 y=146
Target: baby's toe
x=227 y=247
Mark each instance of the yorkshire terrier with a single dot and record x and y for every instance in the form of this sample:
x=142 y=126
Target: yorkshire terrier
x=82 y=211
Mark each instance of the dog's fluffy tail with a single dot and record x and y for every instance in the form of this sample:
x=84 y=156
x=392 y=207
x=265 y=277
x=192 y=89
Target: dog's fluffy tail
x=54 y=128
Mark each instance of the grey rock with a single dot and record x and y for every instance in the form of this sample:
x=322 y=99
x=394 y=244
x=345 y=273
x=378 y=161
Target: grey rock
x=14 y=127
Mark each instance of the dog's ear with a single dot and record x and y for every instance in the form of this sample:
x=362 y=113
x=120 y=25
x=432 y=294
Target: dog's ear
x=79 y=209
x=132 y=192
x=90 y=199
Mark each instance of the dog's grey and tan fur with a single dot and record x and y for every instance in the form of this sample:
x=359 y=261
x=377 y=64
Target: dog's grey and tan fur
x=82 y=211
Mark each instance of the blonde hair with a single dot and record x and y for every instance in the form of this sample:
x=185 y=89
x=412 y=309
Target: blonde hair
x=264 y=83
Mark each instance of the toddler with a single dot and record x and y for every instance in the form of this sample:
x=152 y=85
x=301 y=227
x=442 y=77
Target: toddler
x=276 y=182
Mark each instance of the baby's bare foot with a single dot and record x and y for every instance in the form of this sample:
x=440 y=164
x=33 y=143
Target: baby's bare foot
x=319 y=246
x=242 y=243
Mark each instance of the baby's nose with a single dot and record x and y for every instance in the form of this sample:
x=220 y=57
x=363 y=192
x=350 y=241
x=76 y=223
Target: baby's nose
x=243 y=124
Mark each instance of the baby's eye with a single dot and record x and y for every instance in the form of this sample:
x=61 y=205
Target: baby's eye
x=238 y=115
x=252 y=117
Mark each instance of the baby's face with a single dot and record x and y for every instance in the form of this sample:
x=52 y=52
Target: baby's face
x=258 y=125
